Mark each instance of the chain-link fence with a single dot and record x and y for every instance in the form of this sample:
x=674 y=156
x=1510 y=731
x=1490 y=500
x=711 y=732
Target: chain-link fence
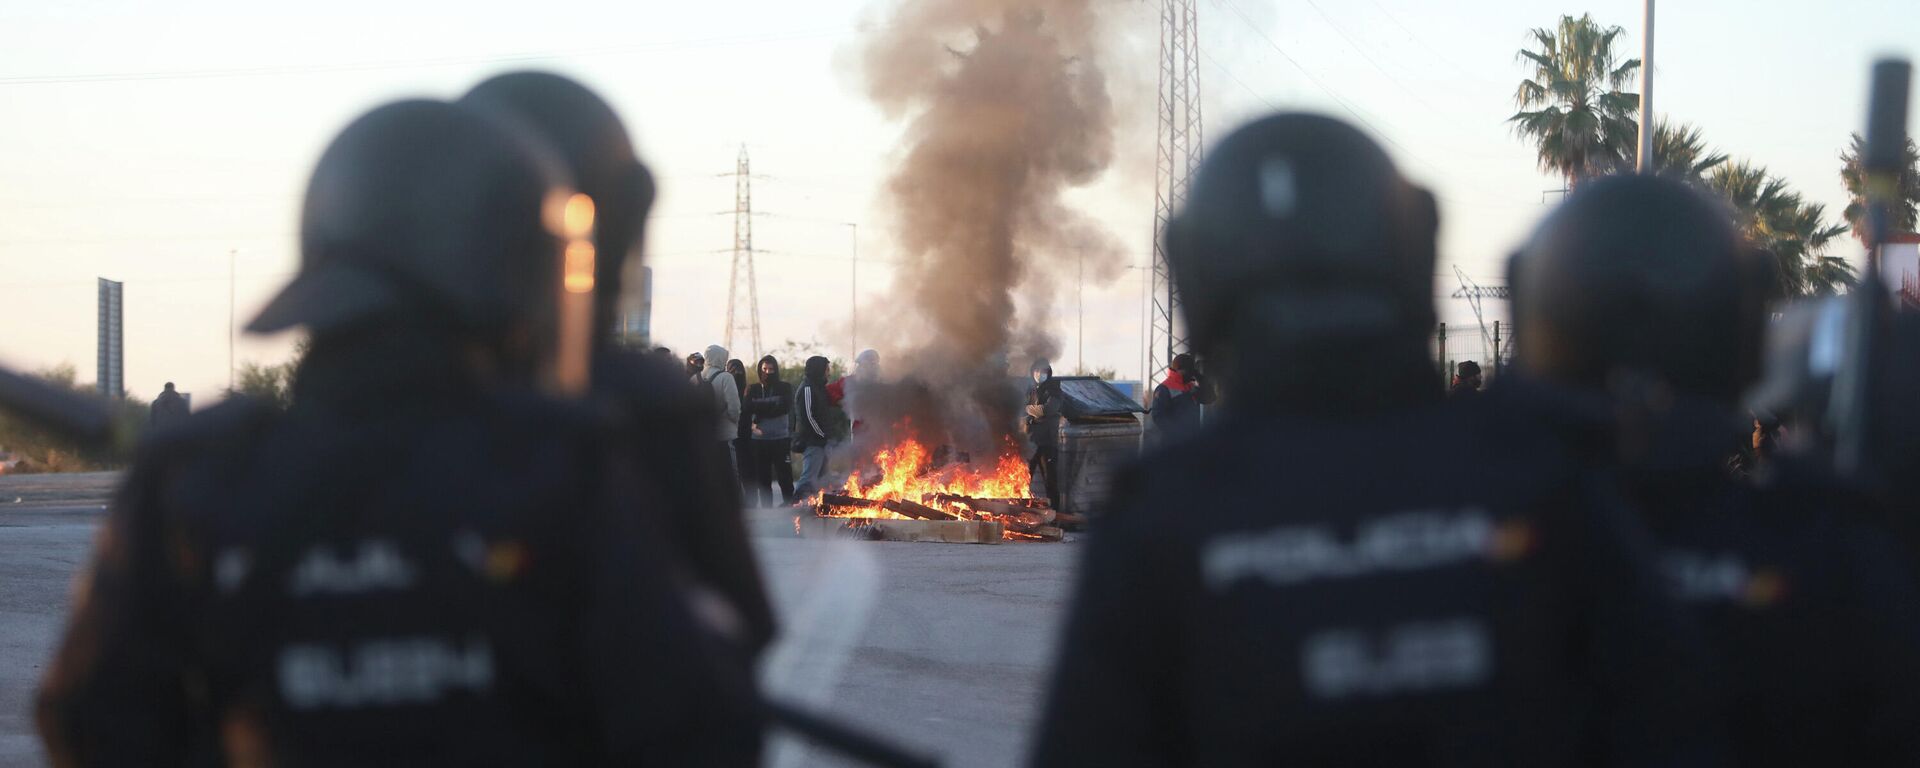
x=1491 y=347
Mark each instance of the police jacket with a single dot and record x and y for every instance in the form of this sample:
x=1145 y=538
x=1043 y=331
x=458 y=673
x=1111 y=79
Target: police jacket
x=668 y=433
x=1809 y=609
x=1284 y=589
x=400 y=570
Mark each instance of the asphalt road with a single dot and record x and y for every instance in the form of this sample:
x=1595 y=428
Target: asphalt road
x=943 y=647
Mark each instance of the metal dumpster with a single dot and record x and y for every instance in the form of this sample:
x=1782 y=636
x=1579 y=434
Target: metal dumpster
x=1099 y=430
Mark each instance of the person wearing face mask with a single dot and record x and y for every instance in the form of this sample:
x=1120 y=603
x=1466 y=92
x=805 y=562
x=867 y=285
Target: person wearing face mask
x=1042 y=424
x=770 y=400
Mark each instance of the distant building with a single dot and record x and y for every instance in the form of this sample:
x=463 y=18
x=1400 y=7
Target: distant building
x=109 y=366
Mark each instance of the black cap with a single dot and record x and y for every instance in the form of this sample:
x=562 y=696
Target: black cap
x=1468 y=368
x=429 y=206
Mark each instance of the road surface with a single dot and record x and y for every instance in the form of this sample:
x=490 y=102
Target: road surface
x=941 y=646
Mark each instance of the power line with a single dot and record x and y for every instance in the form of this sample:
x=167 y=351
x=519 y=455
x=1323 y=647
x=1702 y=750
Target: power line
x=302 y=69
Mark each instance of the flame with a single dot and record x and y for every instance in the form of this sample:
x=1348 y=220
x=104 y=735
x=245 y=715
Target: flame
x=907 y=473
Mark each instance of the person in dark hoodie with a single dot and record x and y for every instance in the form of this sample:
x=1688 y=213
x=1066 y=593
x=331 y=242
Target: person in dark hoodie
x=770 y=401
x=1306 y=581
x=1042 y=423
x=812 y=420
x=1644 y=314
x=743 y=433
x=1177 y=399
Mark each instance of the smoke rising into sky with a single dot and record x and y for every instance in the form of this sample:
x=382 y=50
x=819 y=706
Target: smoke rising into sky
x=1007 y=109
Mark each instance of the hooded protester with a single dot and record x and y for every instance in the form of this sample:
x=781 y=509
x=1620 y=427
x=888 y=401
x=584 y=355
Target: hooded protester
x=726 y=399
x=1177 y=400
x=1644 y=314
x=1305 y=581
x=424 y=560
x=770 y=403
x=1042 y=423
x=1466 y=381
x=811 y=404
x=742 y=432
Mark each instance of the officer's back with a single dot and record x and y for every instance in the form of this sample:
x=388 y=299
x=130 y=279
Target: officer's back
x=667 y=426
x=1354 y=572
x=1811 y=616
x=422 y=561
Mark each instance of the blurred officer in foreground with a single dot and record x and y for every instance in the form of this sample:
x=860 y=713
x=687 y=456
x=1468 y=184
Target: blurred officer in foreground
x=1490 y=604
x=1638 y=297
x=668 y=426
x=422 y=561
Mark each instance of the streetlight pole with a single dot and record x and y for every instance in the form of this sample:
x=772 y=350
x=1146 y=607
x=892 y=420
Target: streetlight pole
x=853 y=296
x=1080 y=310
x=1644 y=163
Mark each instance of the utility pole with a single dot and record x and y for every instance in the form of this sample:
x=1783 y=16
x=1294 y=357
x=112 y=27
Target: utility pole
x=1644 y=163
x=1080 y=311
x=742 y=253
x=1176 y=157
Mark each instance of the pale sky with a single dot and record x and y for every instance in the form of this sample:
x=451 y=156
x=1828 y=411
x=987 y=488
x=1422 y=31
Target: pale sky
x=143 y=142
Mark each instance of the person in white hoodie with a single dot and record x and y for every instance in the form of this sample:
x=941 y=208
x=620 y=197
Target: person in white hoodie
x=726 y=400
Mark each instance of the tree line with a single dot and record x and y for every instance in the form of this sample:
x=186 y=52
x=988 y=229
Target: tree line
x=1576 y=110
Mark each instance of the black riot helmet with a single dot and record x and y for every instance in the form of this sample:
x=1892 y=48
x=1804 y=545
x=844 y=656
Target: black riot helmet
x=433 y=211
x=1299 y=231
x=589 y=137
x=1640 y=277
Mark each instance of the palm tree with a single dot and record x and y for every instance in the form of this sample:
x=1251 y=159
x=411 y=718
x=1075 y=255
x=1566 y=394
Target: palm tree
x=1572 y=108
x=1907 y=199
x=1678 y=151
x=1774 y=217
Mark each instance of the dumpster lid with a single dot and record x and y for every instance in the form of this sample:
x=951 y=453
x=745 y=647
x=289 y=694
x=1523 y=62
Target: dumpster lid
x=1085 y=396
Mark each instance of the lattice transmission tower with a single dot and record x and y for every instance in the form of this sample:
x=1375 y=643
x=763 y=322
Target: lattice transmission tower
x=1175 y=160
x=742 y=255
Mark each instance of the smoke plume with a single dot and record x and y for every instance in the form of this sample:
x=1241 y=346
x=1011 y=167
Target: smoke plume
x=1006 y=108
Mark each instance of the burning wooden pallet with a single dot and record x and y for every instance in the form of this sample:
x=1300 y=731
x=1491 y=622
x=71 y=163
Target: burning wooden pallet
x=1018 y=519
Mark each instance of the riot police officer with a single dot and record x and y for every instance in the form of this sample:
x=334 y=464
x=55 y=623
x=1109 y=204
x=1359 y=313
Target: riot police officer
x=1643 y=314
x=667 y=427
x=1307 y=580
x=423 y=560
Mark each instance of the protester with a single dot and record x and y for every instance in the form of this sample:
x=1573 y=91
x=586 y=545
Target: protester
x=845 y=391
x=168 y=409
x=770 y=401
x=1466 y=381
x=695 y=364
x=811 y=404
x=416 y=563
x=715 y=378
x=1810 y=611
x=668 y=426
x=1042 y=424
x=1177 y=399
x=742 y=444
x=1307 y=581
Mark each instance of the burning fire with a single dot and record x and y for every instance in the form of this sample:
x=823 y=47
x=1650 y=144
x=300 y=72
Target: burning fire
x=907 y=475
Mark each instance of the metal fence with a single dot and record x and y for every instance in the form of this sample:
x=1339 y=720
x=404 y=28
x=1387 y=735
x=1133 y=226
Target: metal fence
x=1492 y=347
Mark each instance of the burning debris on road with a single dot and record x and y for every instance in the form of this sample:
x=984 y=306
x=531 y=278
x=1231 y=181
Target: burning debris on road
x=910 y=483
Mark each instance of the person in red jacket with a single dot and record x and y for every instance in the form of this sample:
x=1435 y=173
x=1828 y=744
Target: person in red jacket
x=866 y=368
